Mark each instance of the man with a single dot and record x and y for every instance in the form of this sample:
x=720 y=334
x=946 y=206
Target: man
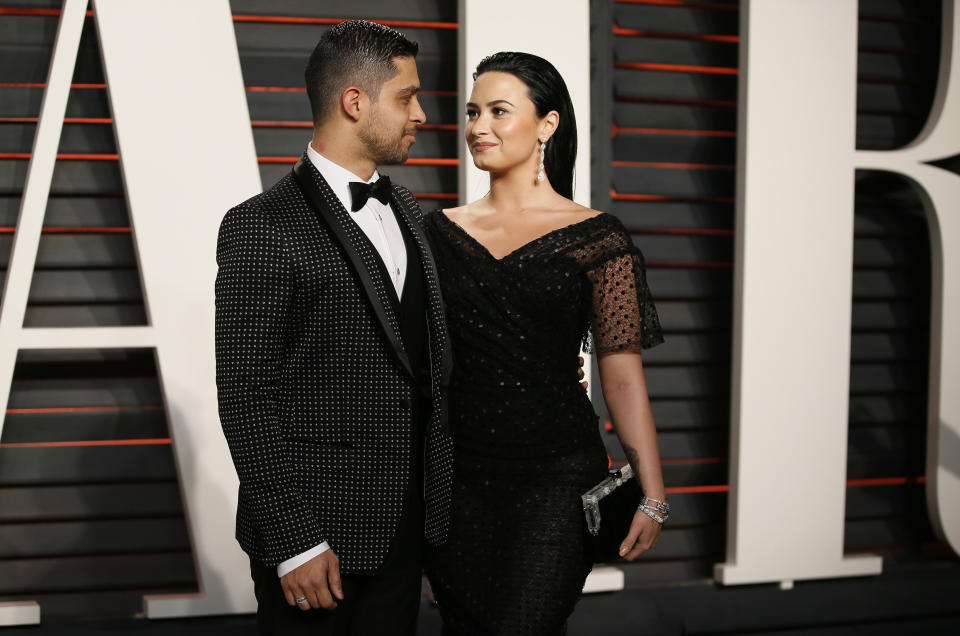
x=333 y=358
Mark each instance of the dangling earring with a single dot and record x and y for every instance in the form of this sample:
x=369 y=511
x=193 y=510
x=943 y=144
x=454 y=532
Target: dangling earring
x=540 y=175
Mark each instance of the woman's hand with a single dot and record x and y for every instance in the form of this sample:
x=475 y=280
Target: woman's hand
x=643 y=535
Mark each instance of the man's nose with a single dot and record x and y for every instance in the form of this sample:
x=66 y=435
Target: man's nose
x=418 y=115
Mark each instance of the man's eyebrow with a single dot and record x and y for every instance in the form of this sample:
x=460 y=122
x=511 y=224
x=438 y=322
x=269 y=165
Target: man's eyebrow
x=409 y=91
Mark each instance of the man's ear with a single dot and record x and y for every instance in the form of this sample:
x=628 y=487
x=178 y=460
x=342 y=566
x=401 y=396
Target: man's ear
x=352 y=101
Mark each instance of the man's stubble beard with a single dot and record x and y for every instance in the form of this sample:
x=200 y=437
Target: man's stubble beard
x=381 y=146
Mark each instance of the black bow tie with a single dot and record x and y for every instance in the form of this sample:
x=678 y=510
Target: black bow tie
x=361 y=192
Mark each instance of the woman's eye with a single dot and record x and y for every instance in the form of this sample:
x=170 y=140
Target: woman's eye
x=471 y=114
x=499 y=111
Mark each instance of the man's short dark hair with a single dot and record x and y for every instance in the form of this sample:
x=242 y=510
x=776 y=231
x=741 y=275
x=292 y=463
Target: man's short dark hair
x=353 y=53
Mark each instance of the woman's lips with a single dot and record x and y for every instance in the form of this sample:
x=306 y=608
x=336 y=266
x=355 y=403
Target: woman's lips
x=480 y=147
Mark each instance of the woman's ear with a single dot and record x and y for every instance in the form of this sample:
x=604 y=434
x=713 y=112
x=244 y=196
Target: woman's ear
x=548 y=125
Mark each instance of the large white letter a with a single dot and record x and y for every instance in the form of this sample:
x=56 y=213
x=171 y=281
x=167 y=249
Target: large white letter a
x=187 y=155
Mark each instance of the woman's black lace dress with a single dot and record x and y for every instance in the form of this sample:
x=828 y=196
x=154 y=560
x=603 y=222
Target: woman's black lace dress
x=526 y=435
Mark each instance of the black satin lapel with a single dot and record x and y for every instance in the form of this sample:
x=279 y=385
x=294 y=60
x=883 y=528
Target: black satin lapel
x=380 y=301
x=405 y=204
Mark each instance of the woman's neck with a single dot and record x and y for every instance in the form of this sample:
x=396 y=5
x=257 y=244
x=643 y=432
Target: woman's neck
x=518 y=189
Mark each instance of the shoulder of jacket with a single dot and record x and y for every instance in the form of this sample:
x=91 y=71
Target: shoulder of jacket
x=272 y=203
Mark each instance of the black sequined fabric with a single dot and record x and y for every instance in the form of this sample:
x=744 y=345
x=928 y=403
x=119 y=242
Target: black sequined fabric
x=527 y=442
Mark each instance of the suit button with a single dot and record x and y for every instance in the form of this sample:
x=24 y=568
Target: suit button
x=406 y=403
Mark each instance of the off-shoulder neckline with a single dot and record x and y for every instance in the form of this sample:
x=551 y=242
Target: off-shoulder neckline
x=536 y=241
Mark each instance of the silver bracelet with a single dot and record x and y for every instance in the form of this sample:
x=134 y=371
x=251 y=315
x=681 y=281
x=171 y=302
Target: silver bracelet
x=659 y=512
x=647 y=510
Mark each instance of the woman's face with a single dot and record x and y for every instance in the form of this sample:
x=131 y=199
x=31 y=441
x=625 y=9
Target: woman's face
x=502 y=129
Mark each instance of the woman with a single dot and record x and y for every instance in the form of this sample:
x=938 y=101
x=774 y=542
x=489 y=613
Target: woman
x=526 y=274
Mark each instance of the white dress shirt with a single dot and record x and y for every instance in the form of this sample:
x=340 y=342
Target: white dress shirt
x=380 y=225
x=375 y=219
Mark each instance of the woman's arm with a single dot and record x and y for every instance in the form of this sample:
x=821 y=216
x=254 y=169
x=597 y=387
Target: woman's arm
x=625 y=392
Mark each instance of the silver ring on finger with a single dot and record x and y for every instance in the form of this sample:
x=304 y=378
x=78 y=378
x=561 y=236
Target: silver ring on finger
x=300 y=600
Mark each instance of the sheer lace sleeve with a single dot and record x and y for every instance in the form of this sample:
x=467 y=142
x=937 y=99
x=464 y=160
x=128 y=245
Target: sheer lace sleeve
x=623 y=316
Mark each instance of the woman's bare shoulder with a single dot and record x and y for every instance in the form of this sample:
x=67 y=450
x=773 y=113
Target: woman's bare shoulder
x=454 y=213
x=581 y=212
x=464 y=213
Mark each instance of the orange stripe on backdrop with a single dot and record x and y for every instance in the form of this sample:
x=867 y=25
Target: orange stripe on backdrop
x=276 y=89
x=731 y=39
x=422 y=161
x=415 y=161
x=42 y=85
x=103 y=442
x=886 y=481
x=616 y=196
x=87 y=157
x=670 y=166
x=282 y=19
x=86 y=230
x=723 y=6
x=258 y=123
x=271 y=19
x=64 y=156
x=254 y=123
x=40 y=13
x=74 y=230
x=616 y=130
x=66 y=120
x=881 y=481
x=300 y=89
x=853 y=483
x=127 y=230
x=677 y=68
x=436 y=195
x=281 y=124
x=85 y=409
x=677 y=490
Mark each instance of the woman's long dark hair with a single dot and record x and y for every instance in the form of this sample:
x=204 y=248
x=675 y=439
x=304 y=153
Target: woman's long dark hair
x=548 y=92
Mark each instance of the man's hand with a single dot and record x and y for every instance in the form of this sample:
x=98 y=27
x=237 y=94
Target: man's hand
x=642 y=536
x=315 y=580
x=580 y=373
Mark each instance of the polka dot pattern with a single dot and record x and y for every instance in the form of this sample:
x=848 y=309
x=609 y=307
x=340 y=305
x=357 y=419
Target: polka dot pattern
x=314 y=402
x=527 y=441
x=517 y=324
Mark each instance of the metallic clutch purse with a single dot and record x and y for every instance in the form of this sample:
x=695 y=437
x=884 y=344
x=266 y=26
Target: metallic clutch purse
x=608 y=510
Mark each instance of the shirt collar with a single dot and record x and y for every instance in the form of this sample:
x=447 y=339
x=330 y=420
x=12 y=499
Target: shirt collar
x=336 y=176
